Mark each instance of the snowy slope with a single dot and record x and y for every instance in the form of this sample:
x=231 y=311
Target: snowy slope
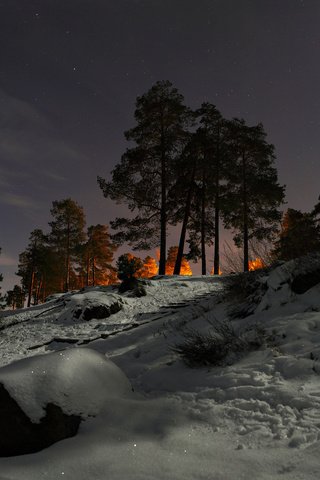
x=257 y=418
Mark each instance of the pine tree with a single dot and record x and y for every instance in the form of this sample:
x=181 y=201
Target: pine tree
x=15 y=298
x=299 y=235
x=36 y=267
x=2 y=304
x=144 y=176
x=67 y=233
x=128 y=266
x=183 y=192
x=254 y=194
x=205 y=188
x=97 y=256
x=212 y=133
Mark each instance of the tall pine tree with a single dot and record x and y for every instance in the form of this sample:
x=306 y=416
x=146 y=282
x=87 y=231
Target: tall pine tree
x=299 y=235
x=144 y=176
x=254 y=194
x=97 y=256
x=34 y=267
x=67 y=232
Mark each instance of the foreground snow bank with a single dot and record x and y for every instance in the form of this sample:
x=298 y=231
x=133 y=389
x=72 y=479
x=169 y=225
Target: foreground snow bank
x=258 y=418
x=79 y=381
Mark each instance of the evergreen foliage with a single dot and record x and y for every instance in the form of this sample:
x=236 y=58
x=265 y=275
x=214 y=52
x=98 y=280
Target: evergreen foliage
x=144 y=176
x=15 y=298
x=219 y=170
x=1 y=297
x=254 y=194
x=66 y=256
x=38 y=268
x=96 y=256
x=300 y=235
x=67 y=232
x=128 y=266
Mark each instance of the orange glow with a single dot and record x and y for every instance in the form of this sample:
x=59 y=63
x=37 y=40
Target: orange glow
x=256 y=264
x=149 y=269
x=171 y=260
x=212 y=271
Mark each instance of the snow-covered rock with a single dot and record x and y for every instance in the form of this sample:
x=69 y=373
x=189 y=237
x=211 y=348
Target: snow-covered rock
x=79 y=381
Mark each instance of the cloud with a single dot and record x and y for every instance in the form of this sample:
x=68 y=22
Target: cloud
x=30 y=140
x=55 y=176
x=20 y=201
x=7 y=261
x=17 y=114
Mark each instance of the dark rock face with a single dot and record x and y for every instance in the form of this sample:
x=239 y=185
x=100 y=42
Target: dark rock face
x=133 y=285
x=100 y=311
x=97 y=311
x=302 y=283
x=20 y=436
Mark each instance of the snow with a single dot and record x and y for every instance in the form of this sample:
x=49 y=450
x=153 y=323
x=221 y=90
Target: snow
x=66 y=379
x=257 y=418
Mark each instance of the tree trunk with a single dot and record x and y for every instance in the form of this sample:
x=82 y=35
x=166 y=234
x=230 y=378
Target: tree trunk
x=30 y=289
x=216 y=261
x=93 y=272
x=177 y=266
x=39 y=287
x=163 y=213
x=245 y=217
x=67 y=279
x=203 y=227
x=88 y=269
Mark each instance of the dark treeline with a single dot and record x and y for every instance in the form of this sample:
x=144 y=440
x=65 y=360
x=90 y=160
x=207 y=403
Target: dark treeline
x=68 y=256
x=193 y=168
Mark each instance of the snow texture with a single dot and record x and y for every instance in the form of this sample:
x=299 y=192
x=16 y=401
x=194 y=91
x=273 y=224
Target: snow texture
x=257 y=418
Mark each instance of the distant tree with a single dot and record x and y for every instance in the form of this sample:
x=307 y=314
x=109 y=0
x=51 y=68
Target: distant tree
x=299 y=235
x=67 y=233
x=171 y=260
x=254 y=194
x=144 y=176
x=128 y=266
x=97 y=256
x=316 y=211
x=2 y=304
x=149 y=268
x=34 y=266
x=15 y=298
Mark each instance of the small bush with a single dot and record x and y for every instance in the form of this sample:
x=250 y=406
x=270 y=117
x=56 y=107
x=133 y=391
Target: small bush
x=128 y=265
x=219 y=346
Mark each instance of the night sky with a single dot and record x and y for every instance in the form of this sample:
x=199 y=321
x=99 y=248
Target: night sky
x=71 y=70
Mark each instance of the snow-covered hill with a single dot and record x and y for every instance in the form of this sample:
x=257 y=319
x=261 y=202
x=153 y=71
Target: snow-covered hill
x=256 y=416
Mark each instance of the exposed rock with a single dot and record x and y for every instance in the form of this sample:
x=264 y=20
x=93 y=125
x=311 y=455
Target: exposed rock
x=304 y=282
x=21 y=436
x=97 y=311
x=133 y=285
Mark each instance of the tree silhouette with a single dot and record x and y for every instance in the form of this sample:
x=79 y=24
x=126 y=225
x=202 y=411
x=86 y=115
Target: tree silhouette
x=145 y=174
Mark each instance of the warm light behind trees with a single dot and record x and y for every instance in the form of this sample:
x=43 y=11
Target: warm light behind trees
x=171 y=260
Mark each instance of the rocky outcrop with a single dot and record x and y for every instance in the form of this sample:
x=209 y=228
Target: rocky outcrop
x=20 y=435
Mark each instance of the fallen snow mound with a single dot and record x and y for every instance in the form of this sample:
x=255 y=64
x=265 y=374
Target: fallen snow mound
x=79 y=381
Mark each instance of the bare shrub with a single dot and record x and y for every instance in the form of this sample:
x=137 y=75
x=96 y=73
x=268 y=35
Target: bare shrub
x=221 y=345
